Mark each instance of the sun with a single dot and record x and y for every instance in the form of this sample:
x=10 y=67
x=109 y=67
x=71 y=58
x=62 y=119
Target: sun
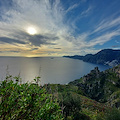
x=31 y=31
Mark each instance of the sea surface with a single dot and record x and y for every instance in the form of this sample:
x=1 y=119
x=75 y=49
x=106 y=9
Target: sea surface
x=57 y=70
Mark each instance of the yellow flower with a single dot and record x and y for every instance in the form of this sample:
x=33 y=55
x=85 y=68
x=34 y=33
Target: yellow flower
x=13 y=88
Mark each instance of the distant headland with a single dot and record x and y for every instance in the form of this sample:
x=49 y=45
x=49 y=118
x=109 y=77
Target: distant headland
x=106 y=56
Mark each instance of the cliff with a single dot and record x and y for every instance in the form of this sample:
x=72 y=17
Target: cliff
x=101 y=86
x=107 y=56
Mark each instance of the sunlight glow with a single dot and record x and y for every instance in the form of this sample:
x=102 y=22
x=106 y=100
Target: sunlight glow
x=31 y=31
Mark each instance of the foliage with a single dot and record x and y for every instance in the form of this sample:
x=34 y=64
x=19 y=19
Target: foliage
x=68 y=99
x=32 y=101
x=99 y=85
x=70 y=103
x=80 y=116
x=52 y=88
x=109 y=114
x=26 y=101
x=112 y=114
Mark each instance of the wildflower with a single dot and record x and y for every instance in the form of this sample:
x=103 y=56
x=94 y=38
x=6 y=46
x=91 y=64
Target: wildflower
x=12 y=88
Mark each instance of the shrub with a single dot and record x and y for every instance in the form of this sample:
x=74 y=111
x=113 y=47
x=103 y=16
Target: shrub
x=109 y=114
x=112 y=114
x=26 y=102
x=80 y=116
x=70 y=102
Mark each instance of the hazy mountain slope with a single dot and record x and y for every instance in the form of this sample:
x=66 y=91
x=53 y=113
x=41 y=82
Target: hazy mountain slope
x=106 y=56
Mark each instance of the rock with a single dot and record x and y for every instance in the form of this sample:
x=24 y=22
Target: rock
x=100 y=85
x=112 y=63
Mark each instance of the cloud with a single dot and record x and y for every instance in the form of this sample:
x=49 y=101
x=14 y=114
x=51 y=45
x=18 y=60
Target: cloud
x=34 y=49
x=85 y=45
x=104 y=32
x=10 y=41
x=117 y=41
x=87 y=11
x=82 y=14
x=57 y=48
x=107 y=24
x=57 y=31
x=45 y=17
x=10 y=51
x=72 y=7
x=104 y=38
x=39 y=40
x=100 y=40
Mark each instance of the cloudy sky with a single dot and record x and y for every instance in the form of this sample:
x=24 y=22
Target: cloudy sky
x=58 y=27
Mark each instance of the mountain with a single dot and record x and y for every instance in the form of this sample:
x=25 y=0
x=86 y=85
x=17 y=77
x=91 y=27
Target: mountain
x=101 y=86
x=107 y=56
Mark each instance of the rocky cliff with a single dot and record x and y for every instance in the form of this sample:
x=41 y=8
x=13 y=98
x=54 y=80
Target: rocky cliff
x=107 y=56
x=101 y=86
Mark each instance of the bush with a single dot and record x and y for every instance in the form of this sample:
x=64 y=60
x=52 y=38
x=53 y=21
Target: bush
x=70 y=102
x=80 y=116
x=109 y=114
x=112 y=114
x=26 y=101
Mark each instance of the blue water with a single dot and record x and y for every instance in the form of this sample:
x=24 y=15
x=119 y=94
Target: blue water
x=51 y=70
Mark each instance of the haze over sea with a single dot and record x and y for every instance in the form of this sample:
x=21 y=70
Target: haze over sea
x=57 y=70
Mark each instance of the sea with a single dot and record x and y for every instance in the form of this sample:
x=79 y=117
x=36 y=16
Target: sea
x=53 y=70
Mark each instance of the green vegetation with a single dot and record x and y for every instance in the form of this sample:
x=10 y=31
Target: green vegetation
x=109 y=114
x=68 y=99
x=26 y=102
x=95 y=96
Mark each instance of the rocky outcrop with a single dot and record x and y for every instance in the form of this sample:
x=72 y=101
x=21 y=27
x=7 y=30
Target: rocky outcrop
x=112 y=63
x=114 y=99
x=101 y=86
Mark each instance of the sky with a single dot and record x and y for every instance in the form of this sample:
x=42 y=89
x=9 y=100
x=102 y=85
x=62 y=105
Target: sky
x=35 y=28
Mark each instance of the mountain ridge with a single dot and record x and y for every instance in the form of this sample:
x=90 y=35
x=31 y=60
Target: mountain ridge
x=106 y=56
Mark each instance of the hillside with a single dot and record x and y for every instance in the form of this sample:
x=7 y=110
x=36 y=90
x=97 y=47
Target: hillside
x=98 y=92
x=107 y=56
x=103 y=86
x=95 y=96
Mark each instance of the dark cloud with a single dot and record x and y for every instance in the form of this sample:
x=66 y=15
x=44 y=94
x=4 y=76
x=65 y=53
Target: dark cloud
x=57 y=48
x=20 y=35
x=39 y=40
x=34 y=49
x=114 y=46
x=36 y=40
x=10 y=40
x=10 y=51
x=15 y=51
